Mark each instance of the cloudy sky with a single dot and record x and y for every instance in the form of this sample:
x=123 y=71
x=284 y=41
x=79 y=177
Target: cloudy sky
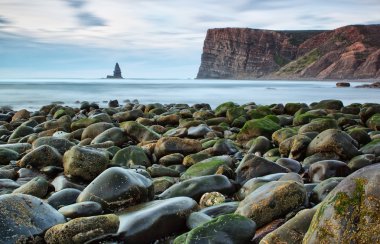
x=149 y=38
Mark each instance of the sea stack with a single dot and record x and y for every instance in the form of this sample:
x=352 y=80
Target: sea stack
x=116 y=73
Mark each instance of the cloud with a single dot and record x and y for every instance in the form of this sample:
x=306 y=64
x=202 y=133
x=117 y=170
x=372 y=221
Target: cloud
x=4 y=21
x=76 y=3
x=89 y=19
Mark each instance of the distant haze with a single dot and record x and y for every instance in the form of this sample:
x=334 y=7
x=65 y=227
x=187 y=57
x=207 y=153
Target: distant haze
x=149 y=38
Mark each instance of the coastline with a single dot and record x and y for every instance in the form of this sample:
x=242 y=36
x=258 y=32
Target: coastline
x=111 y=167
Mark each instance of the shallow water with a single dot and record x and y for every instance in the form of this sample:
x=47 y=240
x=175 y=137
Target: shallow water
x=33 y=93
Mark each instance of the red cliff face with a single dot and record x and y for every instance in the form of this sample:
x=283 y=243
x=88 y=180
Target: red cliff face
x=345 y=53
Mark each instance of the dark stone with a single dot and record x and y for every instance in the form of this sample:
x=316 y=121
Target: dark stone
x=63 y=197
x=82 y=209
x=23 y=216
x=253 y=166
x=325 y=169
x=118 y=188
x=196 y=187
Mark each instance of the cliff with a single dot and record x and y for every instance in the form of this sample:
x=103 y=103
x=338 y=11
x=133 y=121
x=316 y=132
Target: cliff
x=351 y=52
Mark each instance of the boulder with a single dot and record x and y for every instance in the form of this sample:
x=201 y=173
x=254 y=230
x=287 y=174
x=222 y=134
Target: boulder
x=222 y=229
x=84 y=162
x=271 y=201
x=37 y=187
x=169 y=145
x=139 y=132
x=257 y=127
x=82 y=229
x=130 y=156
x=115 y=134
x=118 y=188
x=350 y=213
x=61 y=144
x=196 y=187
x=325 y=169
x=23 y=216
x=334 y=141
x=253 y=166
x=40 y=157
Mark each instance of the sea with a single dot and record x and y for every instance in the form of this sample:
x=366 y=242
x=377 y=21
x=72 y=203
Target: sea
x=34 y=93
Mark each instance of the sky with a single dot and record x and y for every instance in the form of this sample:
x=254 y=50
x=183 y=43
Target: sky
x=149 y=38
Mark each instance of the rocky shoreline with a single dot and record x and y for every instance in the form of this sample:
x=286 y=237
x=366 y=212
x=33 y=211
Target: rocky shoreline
x=153 y=173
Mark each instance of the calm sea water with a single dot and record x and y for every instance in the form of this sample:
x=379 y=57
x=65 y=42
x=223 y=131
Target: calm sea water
x=33 y=93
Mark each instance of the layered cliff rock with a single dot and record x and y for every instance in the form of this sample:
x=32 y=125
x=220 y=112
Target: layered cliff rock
x=351 y=52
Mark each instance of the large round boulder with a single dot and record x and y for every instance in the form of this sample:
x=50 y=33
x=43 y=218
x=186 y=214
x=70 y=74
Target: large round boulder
x=272 y=200
x=84 y=162
x=118 y=188
x=334 y=141
x=350 y=213
x=22 y=216
x=254 y=166
x=169 y=145
x=42 y=156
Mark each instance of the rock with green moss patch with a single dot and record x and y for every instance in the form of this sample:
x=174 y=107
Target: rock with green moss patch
x=350 y=213
x=221 y=110
x=282 y=134
x=329 y=104
x=207 y=167
x=260 y=144
x=257 y=127
x=374 y=122
x=7 y=155
x=372 y=148
x=139 y=132
x=319 y=125
x=195 y=158
x=234 y=113
x=361 y=161
x=61 y=144
x=82 y=229
x=292 y=108
x=360 y=135
x=272 y=200
x=295 y=147
x=229 y=228
x=302 y=118
x=130 y=156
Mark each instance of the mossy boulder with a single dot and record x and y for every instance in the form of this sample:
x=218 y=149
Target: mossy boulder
x=329 y=104
x=20 y=132
x=207 y=167
x=139 y=132
x=360 y=135
x=221 y=110
x=260 y=144
x=41 y=156
x=350 y=213
x=292 y=108
x=257 y=127
x=271 y=201
x=319 y=125
x=372 y=148
x=84 y=162
x=361 y=161
x=93 y=130
x=234 y=113
x=128 y=115
x=83 y=123
x=37 y=187
x=282 y=134
x=229 y=228
x=295 y=147
x=83 y=229
x=130 y=156
x=335 y=141
x=7 y=155
x=115 y=134
x=374 y=122
x=192 y=159
x=171 y=159
x=304 y=117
